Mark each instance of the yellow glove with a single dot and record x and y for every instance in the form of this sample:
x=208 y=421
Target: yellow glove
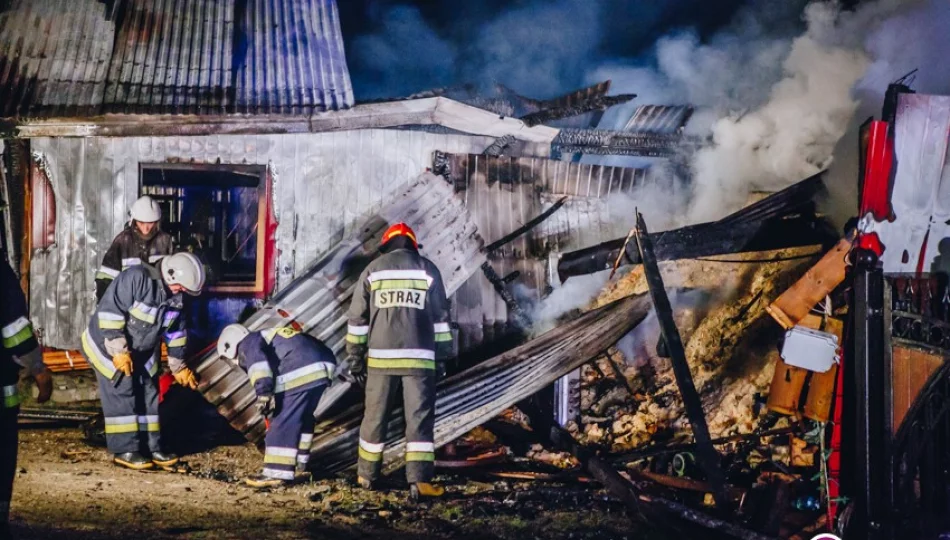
x=186 y=378
x=123 y=362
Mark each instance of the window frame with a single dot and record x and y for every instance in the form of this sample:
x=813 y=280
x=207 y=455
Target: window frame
x=266 y=224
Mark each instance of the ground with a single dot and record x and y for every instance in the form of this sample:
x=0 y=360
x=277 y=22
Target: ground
x=68 y=489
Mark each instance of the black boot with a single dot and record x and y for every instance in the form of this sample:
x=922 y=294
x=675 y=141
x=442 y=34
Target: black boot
x=165 y=460
x=132 y=460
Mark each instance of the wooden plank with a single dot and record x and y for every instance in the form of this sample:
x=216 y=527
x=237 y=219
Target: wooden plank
x=795 y=303
x=912 y=368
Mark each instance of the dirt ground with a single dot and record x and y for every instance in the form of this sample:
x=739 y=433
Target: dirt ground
x=66 y=488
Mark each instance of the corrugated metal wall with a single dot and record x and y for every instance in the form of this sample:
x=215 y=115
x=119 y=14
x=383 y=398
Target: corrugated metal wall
x=323 y=182
x=504 y=193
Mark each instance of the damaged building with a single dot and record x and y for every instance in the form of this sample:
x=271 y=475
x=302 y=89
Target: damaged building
x=238 y=117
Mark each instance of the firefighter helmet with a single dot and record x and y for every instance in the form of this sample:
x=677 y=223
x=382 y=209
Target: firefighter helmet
x=399 y=229
x=231 y=336
x=146 y=210
x=184 y=269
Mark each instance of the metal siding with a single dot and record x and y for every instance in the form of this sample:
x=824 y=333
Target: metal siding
x=324 y=183
x=660 y=119
x=171 y=56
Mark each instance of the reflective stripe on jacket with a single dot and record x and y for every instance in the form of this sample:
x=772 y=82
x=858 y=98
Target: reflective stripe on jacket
x=16 y=332
x=285 y=360
x=399 y=315
x=136 y=313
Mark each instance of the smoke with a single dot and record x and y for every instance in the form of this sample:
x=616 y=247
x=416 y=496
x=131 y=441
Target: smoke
x=577 y=293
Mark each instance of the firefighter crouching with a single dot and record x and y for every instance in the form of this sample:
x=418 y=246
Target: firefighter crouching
x=141 y=242
x=142 y=306
x=289 y=371
x=398 y=318
x=20 y=350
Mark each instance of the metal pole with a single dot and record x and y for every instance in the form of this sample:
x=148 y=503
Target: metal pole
x=870 y=472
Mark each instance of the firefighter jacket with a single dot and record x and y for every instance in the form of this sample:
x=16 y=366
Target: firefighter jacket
x=284 y=360
x=400 y=315
x=129 y=249
x=136 y=313
x=17 y=335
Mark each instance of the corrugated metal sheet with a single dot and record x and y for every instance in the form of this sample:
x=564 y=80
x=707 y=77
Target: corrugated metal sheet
x=53 y=57
x=317 y=301
x=172 y=56
x=471 y=398
x=660 y=119
x=323 y=183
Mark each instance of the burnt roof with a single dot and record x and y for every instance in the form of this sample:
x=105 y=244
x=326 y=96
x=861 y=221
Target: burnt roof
x=87 y=57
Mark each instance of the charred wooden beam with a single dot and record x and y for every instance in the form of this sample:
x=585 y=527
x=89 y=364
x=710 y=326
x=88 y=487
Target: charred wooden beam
x=648 y=508
x=783 y=220
x=568 y=110
x=608 y=142
x=498 y=283
x=475 y=396
x=534 y=222
x=498 y=147
x=708 y=456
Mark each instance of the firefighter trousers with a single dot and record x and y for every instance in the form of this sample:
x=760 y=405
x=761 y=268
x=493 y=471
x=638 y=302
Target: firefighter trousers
x=8 y=448
x=131 y=411
x=288 y=439
x=418 y=396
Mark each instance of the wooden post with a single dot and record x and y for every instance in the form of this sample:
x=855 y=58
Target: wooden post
x=708 y=456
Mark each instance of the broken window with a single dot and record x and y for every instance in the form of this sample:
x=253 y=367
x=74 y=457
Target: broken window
x=217 y=212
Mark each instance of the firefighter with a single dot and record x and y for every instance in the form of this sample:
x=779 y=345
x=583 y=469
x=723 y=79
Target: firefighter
x=141 y=242
x=142 y=306
x=289 y=371
x=20 y=350
x=397 y=319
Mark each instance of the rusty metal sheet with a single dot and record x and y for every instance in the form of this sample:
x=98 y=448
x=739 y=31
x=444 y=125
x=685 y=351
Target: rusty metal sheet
x=317 y=301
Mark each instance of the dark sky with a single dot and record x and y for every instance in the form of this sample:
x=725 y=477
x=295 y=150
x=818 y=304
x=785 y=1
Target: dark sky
x=399 y=47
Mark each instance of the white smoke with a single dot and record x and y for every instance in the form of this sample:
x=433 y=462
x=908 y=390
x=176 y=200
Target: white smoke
x=577 y=293
x=775 y=106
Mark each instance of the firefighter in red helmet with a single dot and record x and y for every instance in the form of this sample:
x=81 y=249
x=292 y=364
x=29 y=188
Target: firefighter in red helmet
x=398 y=335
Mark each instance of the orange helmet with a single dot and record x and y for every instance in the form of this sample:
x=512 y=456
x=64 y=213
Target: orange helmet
x=399 y=229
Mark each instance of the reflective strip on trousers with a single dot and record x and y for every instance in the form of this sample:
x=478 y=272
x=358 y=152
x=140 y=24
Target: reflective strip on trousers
x=302 y=376
x=149 y=423
x=280 y=456
x=306 y=441
x=11 y=396
x=122 y=424
x=279 y=474
x=371 y=451
x=401 y=358
x=420 y=451
x=17 y=332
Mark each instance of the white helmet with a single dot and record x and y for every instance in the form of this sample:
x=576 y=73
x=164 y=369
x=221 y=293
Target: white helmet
x=230 y=337
x=184 y=269
x=146 y=210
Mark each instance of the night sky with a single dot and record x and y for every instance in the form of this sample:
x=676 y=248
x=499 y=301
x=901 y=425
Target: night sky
x=398 y=47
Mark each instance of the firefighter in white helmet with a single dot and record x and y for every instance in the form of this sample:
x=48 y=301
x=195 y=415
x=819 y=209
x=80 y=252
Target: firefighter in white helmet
x=142 y=241
x=289 y=371
x=141 y=307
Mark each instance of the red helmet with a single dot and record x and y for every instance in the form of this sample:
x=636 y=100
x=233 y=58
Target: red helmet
x=399 y=229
